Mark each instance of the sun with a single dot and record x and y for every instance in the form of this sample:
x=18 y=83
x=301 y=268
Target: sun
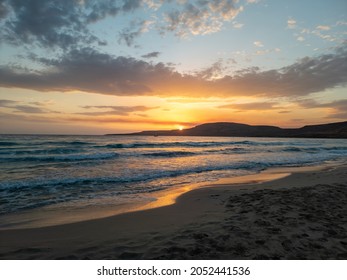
x=180 y=127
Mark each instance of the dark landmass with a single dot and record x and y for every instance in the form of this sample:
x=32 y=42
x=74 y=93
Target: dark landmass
x=331 y=130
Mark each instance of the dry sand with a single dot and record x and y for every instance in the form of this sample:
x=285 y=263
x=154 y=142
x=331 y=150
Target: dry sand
x=301 y=216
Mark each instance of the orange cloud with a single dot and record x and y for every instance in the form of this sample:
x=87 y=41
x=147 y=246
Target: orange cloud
x=90 y=71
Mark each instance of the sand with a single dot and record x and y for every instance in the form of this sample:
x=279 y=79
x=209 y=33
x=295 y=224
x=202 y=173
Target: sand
x=300 y=216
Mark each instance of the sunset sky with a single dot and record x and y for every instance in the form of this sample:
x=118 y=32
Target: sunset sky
x=94 y=67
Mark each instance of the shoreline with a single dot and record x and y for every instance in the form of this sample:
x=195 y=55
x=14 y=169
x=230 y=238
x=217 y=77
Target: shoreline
x=62 y=214
x=300 y=216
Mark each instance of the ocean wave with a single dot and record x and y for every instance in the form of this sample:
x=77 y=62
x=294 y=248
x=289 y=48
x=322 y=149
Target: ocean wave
x=113 y=146
x=40 y=151
x=34 y=142
x=170 y=154
x=40 y=171
x=335 y=148
x=185 y=144
x=236 y=150
x=7 y=143
x=292 y=149
x=315 y=149
x=60 y=158
x=33 y=193
x=95 y=181
x=72 y=143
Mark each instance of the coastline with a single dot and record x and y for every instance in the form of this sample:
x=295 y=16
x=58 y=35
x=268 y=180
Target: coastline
x=53 y=216
x=66 y=214
x=299 y=216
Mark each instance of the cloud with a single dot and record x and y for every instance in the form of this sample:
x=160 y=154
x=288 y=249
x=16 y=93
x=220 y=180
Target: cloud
x=213 y=72
x=125 y=120
x=237 y=25
x=129 y=35
x=53 y=23
x=266 y=51
x=251 y=106
x=115 y=110
x=85 y=70
x=27 y=118
x=89 y=119
x=307 y=75
x=341 y=22
x=311 y=103
x=44 y=103
x=3 y=10
x=66 y=24
x=29 y=109
x=5 y=103
x=291 y=23
x=48 y=23
x=102 y=9
x=226 y=8
x=258 y=44
x=338 y=107
x=200 y=17
x=19 y=107
x=324 y=32
x=323 y=27
x=152 y=4
x=186 y=100
x=91 y=71
x=151 y=55
x=325 y=36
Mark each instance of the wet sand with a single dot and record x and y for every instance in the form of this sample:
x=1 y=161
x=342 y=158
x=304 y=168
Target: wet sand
x=300 y=216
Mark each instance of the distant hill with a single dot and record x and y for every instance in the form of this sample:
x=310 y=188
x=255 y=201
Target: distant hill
x=331 y=130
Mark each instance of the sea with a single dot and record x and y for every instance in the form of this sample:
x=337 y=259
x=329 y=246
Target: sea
x=40 y=171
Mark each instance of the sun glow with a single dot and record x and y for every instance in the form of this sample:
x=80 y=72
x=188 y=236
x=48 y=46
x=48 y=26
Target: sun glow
x=180 y=127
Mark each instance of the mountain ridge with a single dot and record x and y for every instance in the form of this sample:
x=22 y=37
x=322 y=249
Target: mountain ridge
x=232 y=129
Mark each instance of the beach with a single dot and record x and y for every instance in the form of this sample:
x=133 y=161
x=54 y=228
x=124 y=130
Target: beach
x=300 y=215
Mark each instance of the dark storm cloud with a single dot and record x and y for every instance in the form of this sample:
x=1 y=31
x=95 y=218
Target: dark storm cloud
x=91 y=71
x=51 y=23
x=151 y=55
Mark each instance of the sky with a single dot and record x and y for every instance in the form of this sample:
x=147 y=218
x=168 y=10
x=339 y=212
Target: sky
x=118 y=66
